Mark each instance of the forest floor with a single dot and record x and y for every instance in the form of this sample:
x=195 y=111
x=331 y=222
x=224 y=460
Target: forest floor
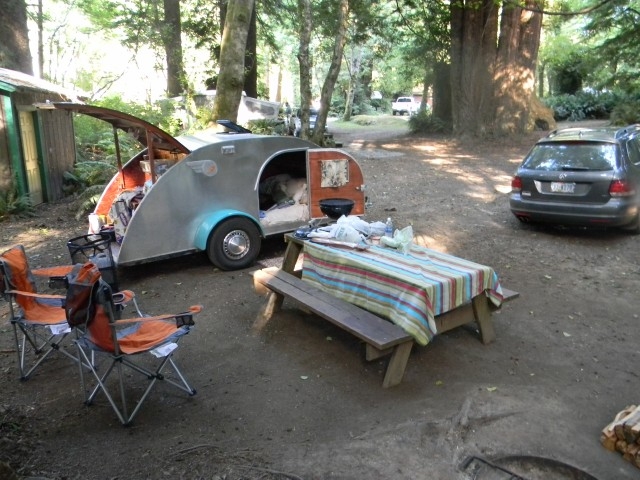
x=299 y=401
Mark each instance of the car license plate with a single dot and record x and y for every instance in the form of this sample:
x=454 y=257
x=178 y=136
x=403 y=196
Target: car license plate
x=562 y=187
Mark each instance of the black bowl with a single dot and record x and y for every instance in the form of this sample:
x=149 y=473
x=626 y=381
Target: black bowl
x=334 y=208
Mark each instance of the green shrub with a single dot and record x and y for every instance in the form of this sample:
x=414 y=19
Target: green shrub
x=585 y=105
x=425 y=122
x=626 y=113
x=267 y=127
x=161 y=114
x=363 y=120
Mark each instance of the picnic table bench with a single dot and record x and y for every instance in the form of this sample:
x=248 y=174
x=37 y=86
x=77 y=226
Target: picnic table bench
x=381 y=337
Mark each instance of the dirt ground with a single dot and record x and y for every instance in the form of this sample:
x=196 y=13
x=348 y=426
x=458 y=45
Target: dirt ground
x=299 y=401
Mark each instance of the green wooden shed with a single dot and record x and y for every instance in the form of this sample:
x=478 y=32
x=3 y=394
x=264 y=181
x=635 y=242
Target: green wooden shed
x=36 y=145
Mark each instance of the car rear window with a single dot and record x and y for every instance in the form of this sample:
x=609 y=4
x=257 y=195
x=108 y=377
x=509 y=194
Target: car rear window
x=572 y=156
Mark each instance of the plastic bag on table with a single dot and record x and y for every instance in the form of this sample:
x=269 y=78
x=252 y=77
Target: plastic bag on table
x=347 y=233
x=356 y=222
x=376 y=229
x=323 y=232
x=339 y=231
x=401 y=240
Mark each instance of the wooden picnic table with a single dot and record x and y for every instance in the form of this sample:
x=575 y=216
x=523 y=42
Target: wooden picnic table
x=423 y=293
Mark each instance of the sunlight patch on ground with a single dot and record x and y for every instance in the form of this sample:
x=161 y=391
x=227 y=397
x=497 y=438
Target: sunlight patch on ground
x=427 y=148
x=32 y=236
x=428 y=241
x=503 y=188
x=484 y=195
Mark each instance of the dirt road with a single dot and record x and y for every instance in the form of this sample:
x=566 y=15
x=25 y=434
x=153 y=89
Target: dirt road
x=299 y=401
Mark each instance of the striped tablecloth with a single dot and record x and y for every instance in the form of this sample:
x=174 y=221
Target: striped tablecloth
x=410 y=290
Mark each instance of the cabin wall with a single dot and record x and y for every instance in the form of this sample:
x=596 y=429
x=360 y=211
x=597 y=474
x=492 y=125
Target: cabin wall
x=59 y=149
x=55 y=138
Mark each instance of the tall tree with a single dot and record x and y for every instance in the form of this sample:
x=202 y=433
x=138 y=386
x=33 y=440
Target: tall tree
x=493 y=69
x=305 y=23
x=516 y=67
x=335 y=14
x=154 y=23
x=354 y=64
x=612 y=34
x=232 y=54
x=14 y=36
x=171 y=34
x=334 y=70
x=251 y=59
x=424 y=40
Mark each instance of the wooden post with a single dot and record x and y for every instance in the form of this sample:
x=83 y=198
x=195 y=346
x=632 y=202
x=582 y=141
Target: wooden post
x=397 y=365
x=482 y=313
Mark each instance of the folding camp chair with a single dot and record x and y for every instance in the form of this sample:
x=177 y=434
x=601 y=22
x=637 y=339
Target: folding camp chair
x=122 y=342
x=39 y=322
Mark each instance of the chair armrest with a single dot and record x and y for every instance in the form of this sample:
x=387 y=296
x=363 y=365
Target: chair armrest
x=60 y=271
x=184 y=318
x=35 y=295
x=123 y=297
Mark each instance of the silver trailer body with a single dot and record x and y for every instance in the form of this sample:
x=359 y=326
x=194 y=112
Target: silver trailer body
x=205 y=192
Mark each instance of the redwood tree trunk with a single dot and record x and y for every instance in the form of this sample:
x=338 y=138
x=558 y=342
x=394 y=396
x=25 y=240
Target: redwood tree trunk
x=14 y=37
x=442 y=98
x=473 y=47
x=516 y=63
x=458 y=107
x=493 y=73
x=486 y=69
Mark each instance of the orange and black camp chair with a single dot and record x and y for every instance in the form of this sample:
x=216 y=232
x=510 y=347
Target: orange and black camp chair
x=122 y=343
x=39 y=322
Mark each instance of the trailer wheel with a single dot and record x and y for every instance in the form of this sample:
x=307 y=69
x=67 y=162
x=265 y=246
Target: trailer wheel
x=234 y=244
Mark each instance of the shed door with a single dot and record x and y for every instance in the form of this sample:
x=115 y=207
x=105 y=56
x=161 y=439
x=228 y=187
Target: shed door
x=334 y=174
x=29 y=147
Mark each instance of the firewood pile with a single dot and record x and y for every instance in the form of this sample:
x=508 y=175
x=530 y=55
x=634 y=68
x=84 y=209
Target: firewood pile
x=623 y=434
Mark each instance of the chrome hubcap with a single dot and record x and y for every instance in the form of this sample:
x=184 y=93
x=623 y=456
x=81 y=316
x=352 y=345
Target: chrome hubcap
x=236 y=244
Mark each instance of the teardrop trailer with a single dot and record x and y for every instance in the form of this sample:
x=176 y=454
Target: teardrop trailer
x=221 y=193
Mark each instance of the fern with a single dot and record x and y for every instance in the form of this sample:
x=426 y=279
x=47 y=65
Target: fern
x=88 y=200
x=14 y=204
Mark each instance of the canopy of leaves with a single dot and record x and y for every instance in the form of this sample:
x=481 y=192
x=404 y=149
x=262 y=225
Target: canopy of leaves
x=600 y=46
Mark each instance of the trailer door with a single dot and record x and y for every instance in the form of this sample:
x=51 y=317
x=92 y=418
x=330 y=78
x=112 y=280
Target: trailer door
x=334 y=174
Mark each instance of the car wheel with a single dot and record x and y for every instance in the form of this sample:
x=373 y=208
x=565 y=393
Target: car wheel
x=234 y=244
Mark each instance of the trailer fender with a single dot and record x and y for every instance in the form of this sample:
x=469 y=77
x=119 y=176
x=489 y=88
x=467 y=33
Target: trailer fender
x=209 y=223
